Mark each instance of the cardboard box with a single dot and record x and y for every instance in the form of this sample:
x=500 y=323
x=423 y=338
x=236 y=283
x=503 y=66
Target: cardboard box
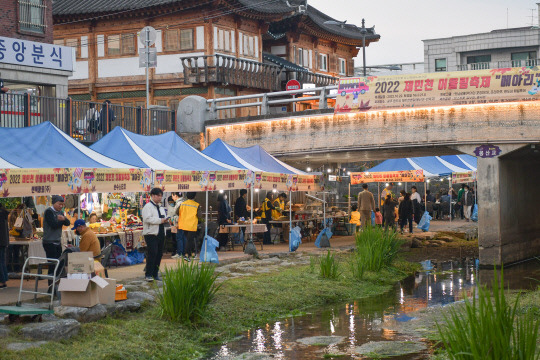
x=80 y=263
x=107 y=294
x=80 y=292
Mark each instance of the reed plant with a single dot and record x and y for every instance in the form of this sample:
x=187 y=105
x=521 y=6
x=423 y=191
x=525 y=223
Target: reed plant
x=489 y=327
x=376 y=249
x=329 y=266
x=187 y=291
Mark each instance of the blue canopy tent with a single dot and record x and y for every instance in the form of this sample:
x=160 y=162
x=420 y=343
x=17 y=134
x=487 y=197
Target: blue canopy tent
x=433 y=166
x=46 y=146
x=166 y=151
x=253 y=158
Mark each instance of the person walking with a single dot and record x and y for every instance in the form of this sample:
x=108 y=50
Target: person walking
x=266 y=217
x=366 y=204
x=188 y=219
x=53 y=221
x=417 y=204
x=467 y=200
x=459 y=201
x=224 y=218
x=153 y=216
x=389 y=211
x=4 y=243
x=406 y=213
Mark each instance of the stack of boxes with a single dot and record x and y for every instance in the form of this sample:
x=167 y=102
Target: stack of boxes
x=82 y=287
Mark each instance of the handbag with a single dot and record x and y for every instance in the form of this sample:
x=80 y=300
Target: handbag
x=19 y=221
x=223 y=229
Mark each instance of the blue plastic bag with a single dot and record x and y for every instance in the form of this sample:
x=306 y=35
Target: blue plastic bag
x=325 y=231
x=329 y=222
x=474 y=216
x=135 y=257
x=295 y=239
x=424 y=222
x=208 y=253
x=372 y=218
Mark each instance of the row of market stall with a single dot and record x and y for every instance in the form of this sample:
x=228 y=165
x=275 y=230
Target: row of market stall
x=42 y=160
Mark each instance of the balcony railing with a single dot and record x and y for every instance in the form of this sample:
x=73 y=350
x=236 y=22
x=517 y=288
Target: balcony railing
x=498 y=64
x=225 y=70
x=317 y=79
x=85 y=121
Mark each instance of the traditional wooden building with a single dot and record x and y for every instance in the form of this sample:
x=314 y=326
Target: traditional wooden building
x=212 y=48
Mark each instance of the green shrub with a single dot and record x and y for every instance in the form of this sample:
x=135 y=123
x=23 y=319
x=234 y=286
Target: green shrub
x=187 y=291
x=329 y=266
x=375 y=249
x=490 y=328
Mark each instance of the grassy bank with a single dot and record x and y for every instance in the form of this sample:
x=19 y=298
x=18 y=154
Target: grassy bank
x=240 y=304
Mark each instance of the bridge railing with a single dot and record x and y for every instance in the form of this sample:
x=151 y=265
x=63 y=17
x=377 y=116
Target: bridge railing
x=498 y=64
x=264 y=103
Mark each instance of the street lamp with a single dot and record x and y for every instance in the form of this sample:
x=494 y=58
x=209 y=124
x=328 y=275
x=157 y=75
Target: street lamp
x=363 y=30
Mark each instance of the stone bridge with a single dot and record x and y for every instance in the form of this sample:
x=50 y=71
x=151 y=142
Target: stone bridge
x=508 y=191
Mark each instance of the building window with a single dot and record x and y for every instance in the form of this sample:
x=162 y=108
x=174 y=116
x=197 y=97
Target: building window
x=323 y=62
x=178 y=39
x=32 y=15
x=121 y=44
x=300 y=57
x=526 y=58
x=342 y=67
x=478 y=62
x=224 y=40
x=186 y=39
x=440 y=64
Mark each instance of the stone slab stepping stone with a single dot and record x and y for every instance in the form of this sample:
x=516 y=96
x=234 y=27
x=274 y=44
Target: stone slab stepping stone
x=389 y=349
x=70 y=312
x=124 y=306
x=24 y=346
x=254 y=356
x=95 y=313
x=4 y=331
x=321 y=340
x=53 y=330
x=139 y=295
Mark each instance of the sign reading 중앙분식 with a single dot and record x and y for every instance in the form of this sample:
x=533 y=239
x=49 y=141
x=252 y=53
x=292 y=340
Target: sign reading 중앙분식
x=438 y=89
x=36 y=54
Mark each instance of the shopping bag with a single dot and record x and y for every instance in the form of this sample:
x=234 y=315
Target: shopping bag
x=372 y=218
x=208 y=250
x=474 y=216
x=19 y=222
x=295 y=239
x=424 y=222
x=323 y=239
x=223 y=229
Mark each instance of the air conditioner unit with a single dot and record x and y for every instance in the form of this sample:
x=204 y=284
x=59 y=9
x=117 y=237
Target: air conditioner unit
x=302 y=9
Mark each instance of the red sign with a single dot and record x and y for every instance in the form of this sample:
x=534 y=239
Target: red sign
x=292 y=85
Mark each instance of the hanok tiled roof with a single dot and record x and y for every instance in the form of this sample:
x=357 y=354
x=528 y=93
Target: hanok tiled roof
x=79 y=7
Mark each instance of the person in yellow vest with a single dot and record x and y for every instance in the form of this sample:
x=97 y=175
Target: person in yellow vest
x=355 y=216
x=279 y=204
x=266 y=216
x=188 y=218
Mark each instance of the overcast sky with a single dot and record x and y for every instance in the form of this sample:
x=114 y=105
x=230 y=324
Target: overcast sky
x=403 y=24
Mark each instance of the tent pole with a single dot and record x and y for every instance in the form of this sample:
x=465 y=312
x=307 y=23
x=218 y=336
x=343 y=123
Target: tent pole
x=349 y=206
x=378 y=194
x=324 y=209
x=206 y=230
x=425 y=194
x=290 y=218
x=450 y=193
x=252 y=218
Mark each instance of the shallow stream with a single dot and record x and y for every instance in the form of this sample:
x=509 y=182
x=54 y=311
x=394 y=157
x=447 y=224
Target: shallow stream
x=358 y=322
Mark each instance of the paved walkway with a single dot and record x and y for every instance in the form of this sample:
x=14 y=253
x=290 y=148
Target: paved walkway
x=124 y=273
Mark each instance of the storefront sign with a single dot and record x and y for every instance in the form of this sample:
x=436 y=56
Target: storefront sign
x=387 y=176
x=463 y=177
x=28 y=182
x=438 y=89
x=30 y=53
x=487 y=151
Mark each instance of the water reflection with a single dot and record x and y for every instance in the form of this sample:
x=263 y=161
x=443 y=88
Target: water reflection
x=362 y=320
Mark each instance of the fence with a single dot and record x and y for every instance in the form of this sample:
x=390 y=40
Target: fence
x=85 y=121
